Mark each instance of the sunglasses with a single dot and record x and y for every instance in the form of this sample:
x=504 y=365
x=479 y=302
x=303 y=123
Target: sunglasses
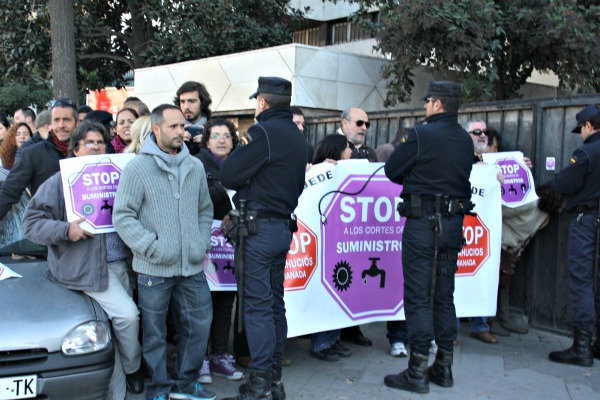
x=360 y=123
x=62 y=102
x=478 y=132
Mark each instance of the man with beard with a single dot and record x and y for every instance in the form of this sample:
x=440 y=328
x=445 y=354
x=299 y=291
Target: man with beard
x=355 y=123
x=40 y=161
x=194 y=101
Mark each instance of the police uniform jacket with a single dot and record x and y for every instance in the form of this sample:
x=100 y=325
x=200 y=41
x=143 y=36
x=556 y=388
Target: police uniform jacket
x=434 y=158
x=268 y=171
x=580 y=180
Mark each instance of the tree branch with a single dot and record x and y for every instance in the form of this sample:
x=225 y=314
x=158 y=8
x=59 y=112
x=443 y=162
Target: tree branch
x=96 y=56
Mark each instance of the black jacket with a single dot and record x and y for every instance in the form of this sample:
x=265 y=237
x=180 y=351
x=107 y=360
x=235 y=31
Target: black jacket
x=364 y=151
x=36 y=164
x=218 y=194
x=580 y=180
x=268 y=172
x=434 y=158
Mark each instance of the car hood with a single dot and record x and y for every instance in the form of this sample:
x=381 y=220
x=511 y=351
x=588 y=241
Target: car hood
x=36 y=312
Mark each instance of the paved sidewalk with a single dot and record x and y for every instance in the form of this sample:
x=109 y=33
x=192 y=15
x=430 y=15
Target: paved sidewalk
x=516 y=368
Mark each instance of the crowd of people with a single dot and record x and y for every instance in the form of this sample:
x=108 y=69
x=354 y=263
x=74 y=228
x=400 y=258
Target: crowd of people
x=177 y=184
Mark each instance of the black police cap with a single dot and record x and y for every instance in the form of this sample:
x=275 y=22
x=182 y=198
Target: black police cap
x=443 y=89
x=100 y=116
x=584 y=116
x=274 y=85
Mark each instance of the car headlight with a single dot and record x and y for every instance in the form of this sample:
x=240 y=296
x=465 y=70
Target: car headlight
x=86 y=338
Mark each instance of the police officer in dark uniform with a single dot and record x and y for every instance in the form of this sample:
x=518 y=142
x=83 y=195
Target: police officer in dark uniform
x=433 y=163
x=580 y=182
x=268 y=173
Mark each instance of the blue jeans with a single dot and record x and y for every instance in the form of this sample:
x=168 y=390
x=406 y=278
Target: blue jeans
x=193 y=306
x=324 y=340
x=479 y=324
x=397 y=332
x=264 y=308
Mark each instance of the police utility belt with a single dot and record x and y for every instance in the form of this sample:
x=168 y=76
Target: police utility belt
x=416 y=206
x=246 y=223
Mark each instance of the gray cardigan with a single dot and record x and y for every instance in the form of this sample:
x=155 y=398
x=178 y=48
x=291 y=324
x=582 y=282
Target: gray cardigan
x=163 y=212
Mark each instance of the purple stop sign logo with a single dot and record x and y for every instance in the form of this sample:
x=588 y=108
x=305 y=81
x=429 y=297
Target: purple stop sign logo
x=93 y=193
x=517 y=183
x=362 y=250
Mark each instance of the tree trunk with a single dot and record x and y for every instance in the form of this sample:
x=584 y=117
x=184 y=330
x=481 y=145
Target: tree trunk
x=64 y=75
x=141 y=33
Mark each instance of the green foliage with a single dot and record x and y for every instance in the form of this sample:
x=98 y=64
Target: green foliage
x=116 y=36
x=491 y=46
x=17 y=95
x=206 y=28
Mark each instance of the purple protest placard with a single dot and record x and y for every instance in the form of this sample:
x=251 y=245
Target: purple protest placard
x=220 y=271
x=90 y=186
x=362 y=250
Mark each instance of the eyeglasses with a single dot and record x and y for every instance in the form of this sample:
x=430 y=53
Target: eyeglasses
x=216 y=136
x=62 y=102
x=360 y=123
x=478 y=132
x=91 y=143
x=429 y=99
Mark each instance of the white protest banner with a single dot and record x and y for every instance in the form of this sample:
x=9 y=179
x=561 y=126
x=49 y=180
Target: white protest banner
x=349 y=270
x=90 y=185
x=518 y=187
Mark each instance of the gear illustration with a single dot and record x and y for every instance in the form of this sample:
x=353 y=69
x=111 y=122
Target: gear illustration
x=87 y=209
x=342 y=276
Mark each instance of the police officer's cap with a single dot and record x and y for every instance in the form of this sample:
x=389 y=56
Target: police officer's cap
x=274 y=85
x=101 y=117
x=443 y=89
x=584 y=116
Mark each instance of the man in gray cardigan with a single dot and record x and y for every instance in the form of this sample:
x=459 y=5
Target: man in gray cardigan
x=164 y=214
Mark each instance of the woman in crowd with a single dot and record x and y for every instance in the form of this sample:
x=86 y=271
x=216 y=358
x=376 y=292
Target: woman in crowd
x=4 y=127
x=218 y=140
x=16 y=136
x=138 y=133
x=326 y=346
x=125 y=119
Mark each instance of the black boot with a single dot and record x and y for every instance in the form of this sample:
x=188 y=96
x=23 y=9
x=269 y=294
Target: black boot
x=414 y=378
x=258 y=387
x=277 y=389
x=596 y=345
x=580 y=353
x=504 y=317
x=440 y=371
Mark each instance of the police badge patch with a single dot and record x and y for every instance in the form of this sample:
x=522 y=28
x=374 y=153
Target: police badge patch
x=244 y=140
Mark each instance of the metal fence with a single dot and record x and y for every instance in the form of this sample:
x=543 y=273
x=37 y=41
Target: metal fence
x=540 y=128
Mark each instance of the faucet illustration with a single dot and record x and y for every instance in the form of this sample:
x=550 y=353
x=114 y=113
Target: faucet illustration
x=105 y=207
x=228 y=267
x=512 y=190
x=373 y=271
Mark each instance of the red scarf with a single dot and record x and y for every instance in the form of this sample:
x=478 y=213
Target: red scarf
x=60 y=146
x=118 y=144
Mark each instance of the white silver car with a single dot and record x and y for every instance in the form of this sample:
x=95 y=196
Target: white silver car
x=55 y=343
